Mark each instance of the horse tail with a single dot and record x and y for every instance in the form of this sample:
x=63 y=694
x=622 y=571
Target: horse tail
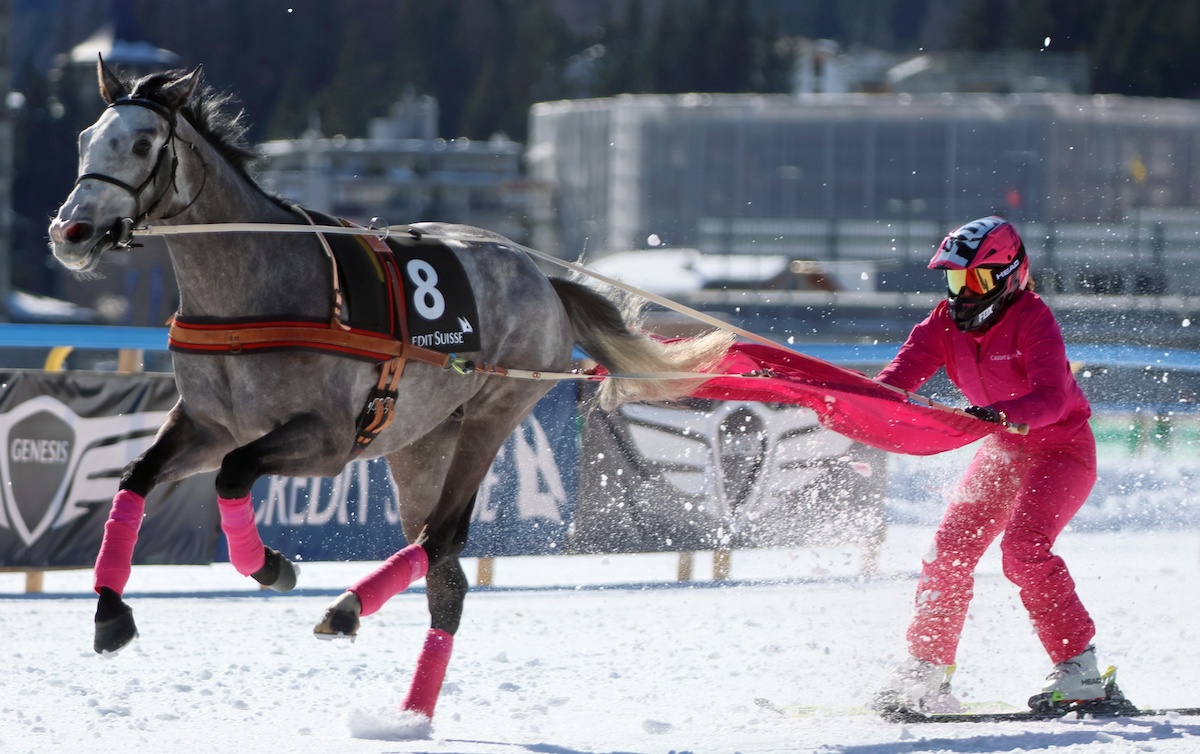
x=611 y=338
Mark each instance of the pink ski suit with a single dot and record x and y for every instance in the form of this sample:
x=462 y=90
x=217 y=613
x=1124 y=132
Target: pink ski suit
x=1028 y=487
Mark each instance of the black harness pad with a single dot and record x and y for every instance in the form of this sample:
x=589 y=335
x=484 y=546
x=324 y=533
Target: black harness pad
x=433 y=302
x=442 y=314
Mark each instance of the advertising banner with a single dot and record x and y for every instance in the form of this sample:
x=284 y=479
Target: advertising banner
x=713 y=475
x=570 y=479
x=524 y=505
x=67 y=436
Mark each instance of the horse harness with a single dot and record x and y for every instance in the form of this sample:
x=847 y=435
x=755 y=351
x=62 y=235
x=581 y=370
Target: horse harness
x=372 y=298
x=372 y=318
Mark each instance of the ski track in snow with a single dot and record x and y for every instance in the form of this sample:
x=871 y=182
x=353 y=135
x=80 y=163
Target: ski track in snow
x=553 y=661
x=576 y=654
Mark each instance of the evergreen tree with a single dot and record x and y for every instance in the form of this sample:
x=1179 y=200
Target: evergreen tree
x=1148 y=49
x=982 y=26
x=623 y=68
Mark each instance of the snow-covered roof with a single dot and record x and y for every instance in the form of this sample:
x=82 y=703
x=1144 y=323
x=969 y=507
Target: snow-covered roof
x=29 y=307
x=120 y=52
x=675 y=271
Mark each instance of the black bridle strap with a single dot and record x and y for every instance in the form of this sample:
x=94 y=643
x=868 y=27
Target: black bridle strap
x=120 y=229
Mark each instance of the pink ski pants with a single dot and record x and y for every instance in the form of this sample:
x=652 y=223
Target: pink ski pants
x=1029 y=496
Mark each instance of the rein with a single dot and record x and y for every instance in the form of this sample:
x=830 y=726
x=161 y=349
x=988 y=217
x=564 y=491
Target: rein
x=390 y=230
x=465 y=366
x=460 y=365
x=379 y=411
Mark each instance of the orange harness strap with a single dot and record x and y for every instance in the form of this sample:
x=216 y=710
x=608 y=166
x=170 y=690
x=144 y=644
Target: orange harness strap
x=334 y=336
x=238 y=338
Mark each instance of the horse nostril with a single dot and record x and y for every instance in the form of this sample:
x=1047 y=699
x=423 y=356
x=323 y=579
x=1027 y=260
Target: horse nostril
x=79 y=232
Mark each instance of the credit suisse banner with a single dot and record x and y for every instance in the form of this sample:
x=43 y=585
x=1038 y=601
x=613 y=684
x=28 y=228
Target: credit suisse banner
x=524 y=505
x=67 y=436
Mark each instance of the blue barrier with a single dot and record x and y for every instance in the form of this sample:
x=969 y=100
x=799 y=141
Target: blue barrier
x=106 y=337
x=99 y=337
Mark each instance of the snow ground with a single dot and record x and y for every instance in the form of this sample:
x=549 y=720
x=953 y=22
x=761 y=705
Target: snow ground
x=591 y=654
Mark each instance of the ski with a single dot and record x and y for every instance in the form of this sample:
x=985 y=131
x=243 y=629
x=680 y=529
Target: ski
x=1031 y=716
x=865 y=711
x=1042 y=708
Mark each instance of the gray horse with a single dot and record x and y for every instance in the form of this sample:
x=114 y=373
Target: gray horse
x=167 y=151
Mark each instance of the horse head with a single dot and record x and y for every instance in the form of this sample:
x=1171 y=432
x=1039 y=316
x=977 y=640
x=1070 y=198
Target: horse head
x=128 y=168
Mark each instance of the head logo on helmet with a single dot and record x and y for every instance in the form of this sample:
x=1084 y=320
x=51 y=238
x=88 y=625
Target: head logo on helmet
x=986 y=268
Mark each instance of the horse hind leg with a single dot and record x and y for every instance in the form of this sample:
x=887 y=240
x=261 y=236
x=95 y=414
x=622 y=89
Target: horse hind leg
x=440 y=496
x=397 y=573
x=446 y=588
x=419 y=470
x=445 y=536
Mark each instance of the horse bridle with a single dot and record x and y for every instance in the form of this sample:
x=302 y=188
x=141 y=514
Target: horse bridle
x=121 y=231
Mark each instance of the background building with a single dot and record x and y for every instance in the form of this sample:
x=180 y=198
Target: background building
x=1106 y=189
x=822 y=67
x=402 y=172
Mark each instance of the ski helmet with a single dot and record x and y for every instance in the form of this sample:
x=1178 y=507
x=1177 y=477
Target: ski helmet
x=986 y=266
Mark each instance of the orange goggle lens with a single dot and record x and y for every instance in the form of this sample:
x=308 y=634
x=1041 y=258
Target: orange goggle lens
x=977 y=280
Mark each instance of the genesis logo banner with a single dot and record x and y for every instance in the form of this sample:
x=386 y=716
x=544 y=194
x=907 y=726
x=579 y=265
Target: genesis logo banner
x=58 y=465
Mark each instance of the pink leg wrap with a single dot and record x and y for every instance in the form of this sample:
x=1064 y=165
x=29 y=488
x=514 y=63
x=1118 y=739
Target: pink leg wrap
x=115 y=559
x=431 y=670
x=391 y=578
x=245 y=546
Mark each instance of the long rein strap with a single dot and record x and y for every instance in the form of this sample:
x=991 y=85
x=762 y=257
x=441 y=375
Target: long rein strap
x=394 y=230
x=266 y=335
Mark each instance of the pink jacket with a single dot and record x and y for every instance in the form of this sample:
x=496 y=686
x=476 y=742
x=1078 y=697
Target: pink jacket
x=1018 y=366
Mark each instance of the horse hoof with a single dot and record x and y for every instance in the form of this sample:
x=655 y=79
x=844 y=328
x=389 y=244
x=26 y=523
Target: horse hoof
x=278 y=573
x=115 y=628
x=341 y=618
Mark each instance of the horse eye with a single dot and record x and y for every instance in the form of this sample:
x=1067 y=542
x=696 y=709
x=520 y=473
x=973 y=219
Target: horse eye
x=142 y=147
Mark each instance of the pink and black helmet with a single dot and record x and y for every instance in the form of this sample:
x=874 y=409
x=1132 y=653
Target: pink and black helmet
x=986 y=267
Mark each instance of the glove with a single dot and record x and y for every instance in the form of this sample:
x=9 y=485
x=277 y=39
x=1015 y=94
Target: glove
x=985 y=413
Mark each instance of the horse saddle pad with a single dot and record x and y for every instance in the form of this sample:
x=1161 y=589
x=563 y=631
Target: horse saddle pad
x=409 y=288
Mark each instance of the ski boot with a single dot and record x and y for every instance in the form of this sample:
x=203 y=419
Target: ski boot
x=916 y=686
x=1077 y=685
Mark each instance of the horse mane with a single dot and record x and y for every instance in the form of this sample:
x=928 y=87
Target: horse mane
x=215 y=115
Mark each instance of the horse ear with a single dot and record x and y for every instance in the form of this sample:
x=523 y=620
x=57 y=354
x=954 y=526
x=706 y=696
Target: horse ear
x=111 y=88
x=177 y=93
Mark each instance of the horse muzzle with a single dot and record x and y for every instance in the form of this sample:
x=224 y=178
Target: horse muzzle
x=78 y=245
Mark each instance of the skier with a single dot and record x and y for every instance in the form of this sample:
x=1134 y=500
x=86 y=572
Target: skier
x=1001 y=347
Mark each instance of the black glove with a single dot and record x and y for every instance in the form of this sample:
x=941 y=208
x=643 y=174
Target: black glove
x=985 y=413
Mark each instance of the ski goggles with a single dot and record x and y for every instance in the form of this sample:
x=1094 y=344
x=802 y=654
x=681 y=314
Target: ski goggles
x=977 y=280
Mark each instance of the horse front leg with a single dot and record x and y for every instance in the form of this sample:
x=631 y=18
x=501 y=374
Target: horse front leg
x=182 y=448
